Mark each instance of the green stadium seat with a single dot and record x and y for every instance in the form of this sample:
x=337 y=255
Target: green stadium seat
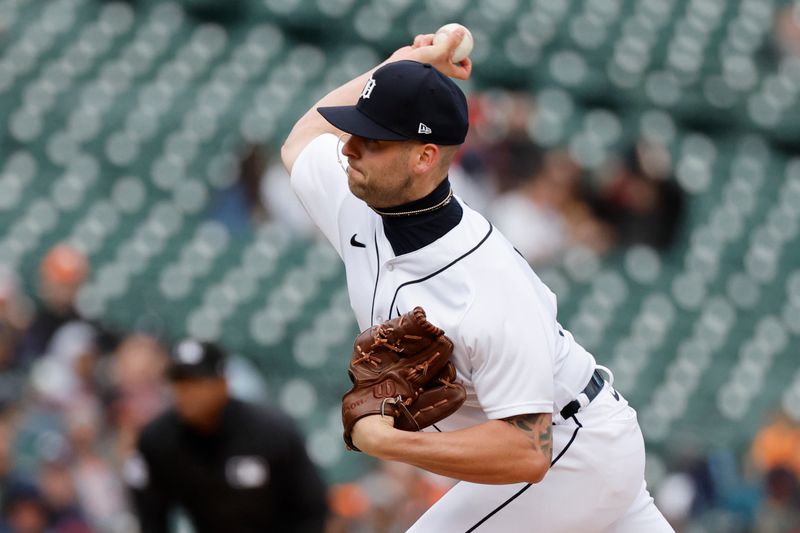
x=581 y=264
x=242 y=283
x=627 y=359
x=555 y=281
x=175 y=282
x=18 y=172
x=791 y=399
x=324 y=445
x=128 y=194
x=267 y=327
x=204 y=323
x=190 y=197
x=310 y=350
x=112 y=280
x=134 y=255
x=642 y=264
x=88 y=234
x=9 y=11
x=26 y=124
x=298 y=398
x=743 y=290
x=288 y=7
x=727 y=222
x=90 y=303
x=260 y=259
x=122 y=149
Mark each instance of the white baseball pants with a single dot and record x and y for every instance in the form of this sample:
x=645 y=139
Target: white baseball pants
x=596 y=484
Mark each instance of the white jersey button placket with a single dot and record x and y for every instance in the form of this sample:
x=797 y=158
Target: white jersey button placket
x=387 y=283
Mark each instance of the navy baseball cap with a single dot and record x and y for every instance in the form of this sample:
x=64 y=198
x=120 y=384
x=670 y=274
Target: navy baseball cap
x=405 y=100
x=192 y=359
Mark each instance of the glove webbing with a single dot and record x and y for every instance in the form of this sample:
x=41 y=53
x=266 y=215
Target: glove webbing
x=399 y=402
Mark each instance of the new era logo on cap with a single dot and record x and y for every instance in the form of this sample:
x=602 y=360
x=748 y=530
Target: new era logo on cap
x=424 y=129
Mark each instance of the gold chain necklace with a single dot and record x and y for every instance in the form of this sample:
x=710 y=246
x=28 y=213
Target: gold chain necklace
x=418 y=211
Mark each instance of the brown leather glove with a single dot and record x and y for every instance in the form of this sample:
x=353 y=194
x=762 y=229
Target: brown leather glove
x=440 y=398
x=395 y=364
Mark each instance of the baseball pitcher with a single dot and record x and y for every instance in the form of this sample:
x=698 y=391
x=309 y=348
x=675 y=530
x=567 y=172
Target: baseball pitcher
x=460 y=335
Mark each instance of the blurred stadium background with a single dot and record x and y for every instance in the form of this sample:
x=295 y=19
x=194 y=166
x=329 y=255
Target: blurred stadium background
x=144 y=135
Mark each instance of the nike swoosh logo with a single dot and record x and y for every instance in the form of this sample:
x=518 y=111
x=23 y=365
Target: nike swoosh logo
x=354 y=242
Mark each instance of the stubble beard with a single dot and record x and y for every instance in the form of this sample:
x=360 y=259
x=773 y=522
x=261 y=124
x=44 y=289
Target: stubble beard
x=377 y=196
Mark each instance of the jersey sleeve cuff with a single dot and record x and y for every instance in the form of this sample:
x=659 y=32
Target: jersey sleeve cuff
x=519 y=409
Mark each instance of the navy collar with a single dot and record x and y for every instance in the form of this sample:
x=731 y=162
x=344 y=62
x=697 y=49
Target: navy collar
x=409 y=233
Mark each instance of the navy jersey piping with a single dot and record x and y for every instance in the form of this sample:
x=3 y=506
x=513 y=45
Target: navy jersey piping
x=429 y=276
x=377 y=277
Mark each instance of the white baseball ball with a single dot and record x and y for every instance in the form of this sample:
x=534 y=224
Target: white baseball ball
x=464 y=47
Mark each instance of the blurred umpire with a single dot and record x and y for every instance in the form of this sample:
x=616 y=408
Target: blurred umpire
x=231 y=466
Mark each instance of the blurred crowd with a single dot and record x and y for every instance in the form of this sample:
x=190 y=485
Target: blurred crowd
x=716 y=491
x=74 y=398
x=546 y=203
x=541 y=199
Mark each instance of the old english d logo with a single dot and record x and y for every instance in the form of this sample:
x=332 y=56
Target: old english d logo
x=367 y=91
x=384 y=389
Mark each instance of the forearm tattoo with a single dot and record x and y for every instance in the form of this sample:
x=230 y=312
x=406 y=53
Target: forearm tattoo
x=539 y=430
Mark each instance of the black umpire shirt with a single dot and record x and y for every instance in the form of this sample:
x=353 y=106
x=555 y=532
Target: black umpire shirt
x=251 y=475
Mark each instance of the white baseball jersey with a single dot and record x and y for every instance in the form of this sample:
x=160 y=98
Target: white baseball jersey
x=510 y=353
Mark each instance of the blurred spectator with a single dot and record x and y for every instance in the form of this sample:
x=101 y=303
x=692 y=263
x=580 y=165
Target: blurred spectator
x=283 y=206
x=777 y=445
x=239 y=206
x=389 y=499
x=61 y=274
x=513 y=160
x=14 y=319
x=786 y=33
x=14 y=315
x=230 y=465
x=99 y=489
x=547 y=214
x=689 y=490
x=7 y=474
x=641 y=200
x=498 y=144
x=780 y=510
x=138 y=392
x=349 y=507
x=24 y=510
x=470 y=190
x=674 y=497
x=63 y=376
x=470 y=176
x=60 y=499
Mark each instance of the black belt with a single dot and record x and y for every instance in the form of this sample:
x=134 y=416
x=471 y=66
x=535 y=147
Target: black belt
x=591 y=391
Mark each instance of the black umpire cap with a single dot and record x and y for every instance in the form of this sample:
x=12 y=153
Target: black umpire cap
x=191 y=359
x=405 y=100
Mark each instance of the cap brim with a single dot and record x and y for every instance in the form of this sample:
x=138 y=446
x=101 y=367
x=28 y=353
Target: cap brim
x=350 y=120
